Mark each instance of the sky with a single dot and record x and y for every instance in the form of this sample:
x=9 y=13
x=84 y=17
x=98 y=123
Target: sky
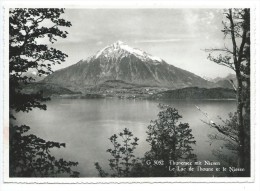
x=178 y=36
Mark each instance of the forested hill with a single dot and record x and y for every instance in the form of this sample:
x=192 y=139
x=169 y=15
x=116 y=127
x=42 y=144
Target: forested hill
x=47 y=89
x=196 y=93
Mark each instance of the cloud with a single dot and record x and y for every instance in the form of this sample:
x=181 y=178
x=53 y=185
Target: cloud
x=162 y=40
x=99 y=43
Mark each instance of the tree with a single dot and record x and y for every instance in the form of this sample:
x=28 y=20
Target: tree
x=123 y=159
x=237 y=28
x=29 y=154
x=230 y=143
x=169 y=140
x=26 y=28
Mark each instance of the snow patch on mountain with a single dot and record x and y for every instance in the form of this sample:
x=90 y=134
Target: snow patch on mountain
x=119 y=49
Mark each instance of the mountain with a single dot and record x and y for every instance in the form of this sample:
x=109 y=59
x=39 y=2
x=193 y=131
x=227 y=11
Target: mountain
x=226 y=81
x=130 y=65
x=195 y=93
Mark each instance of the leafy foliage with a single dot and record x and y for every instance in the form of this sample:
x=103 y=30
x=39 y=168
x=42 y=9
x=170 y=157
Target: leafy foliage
x=30 y=155
x=230 y=126
x=101 y=172
x=27 y=27
x=168 y=141
x=123 y=158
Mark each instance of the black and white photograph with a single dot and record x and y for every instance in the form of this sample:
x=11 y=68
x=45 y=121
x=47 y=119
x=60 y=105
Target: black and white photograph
x=129 y=93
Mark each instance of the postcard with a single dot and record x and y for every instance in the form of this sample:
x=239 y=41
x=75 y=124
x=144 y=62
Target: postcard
x=130 y=93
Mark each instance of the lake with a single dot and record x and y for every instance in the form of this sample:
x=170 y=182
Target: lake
x=86 y=124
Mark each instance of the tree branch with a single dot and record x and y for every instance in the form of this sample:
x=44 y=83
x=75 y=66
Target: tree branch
x=214 y=125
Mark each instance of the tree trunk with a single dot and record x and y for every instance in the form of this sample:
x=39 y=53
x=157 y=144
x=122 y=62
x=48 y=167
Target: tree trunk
x=241 y=135
x=237 y=55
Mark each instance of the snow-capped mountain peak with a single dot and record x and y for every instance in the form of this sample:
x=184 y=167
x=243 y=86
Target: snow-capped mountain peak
x=120 y=61
x=121 y=49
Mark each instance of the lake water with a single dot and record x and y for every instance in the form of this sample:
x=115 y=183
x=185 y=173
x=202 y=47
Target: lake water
x=86 y=124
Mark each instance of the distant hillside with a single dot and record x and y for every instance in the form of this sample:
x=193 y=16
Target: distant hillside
x=196 y=93
x=226 y=81
x=113 y=84
x=47 y=89
x=124 y=90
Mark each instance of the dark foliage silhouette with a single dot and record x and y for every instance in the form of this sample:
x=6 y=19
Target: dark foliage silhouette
x=231 y=144
x=169 y=140
x=26 y=29
x=30 y=155
x=122 y=152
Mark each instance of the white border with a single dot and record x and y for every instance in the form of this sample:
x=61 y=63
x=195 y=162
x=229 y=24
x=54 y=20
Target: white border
x=254 y=5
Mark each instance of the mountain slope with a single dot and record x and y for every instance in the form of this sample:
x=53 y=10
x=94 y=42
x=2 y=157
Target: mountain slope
x=226 y=81
x=122 y=62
